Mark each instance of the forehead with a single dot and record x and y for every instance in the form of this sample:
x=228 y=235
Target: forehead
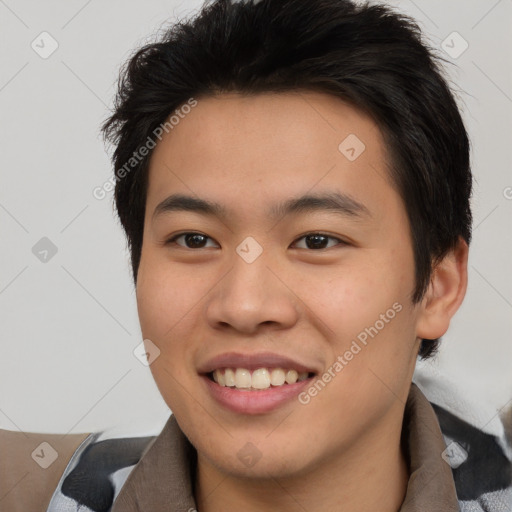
x=254 y=148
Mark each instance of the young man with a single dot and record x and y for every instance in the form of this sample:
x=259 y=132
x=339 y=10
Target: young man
x=293 y=178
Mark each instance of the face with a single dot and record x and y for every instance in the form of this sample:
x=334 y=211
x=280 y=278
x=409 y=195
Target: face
x=326 y=284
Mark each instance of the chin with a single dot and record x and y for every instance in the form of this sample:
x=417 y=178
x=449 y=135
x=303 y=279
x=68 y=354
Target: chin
x=256 y=461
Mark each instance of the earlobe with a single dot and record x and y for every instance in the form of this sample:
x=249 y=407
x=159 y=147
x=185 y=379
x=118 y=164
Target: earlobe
x=445 y=293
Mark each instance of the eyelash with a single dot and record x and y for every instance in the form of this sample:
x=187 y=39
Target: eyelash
x=173 y=239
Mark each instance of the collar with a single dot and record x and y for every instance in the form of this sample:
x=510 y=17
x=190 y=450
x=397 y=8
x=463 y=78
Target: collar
x=431 y=486
x=163 y=478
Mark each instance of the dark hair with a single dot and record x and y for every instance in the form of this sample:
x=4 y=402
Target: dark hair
x=367 y=55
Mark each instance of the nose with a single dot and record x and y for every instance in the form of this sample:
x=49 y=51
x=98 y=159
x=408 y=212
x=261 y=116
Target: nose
x=251 y=296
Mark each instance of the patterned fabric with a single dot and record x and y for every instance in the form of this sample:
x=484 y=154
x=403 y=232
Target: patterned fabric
x=96 y=472
x=477 y=448
x=477 y=452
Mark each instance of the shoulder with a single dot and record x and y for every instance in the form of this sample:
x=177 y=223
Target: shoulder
x=100 y=466
x=67 y=472
x=31 y=465
x=97 y=472
x=478 y=449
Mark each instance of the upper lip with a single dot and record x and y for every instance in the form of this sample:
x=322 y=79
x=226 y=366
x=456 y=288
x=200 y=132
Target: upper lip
x=253 y=362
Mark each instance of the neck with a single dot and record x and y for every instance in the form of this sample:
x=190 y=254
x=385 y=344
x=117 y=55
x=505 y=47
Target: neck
x=370 y=476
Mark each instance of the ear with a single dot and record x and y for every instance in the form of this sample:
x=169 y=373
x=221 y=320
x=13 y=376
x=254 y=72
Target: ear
x=445 y=293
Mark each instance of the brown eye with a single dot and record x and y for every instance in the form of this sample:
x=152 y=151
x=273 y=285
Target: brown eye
x=191 y=240
x=318 y=241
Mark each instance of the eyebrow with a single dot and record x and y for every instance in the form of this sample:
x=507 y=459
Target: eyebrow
x=336 y=202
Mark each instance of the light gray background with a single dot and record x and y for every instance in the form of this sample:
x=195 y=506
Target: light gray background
x=69 y=325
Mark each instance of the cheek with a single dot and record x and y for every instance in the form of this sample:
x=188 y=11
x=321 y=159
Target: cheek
x=346 y=298
x=165 y=295
x=366 y=302
x=165 y=301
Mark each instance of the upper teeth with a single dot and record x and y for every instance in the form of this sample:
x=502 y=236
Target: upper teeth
x=261 y=378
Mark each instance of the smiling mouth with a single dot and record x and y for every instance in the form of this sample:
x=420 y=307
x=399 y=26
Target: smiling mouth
x=257 y=380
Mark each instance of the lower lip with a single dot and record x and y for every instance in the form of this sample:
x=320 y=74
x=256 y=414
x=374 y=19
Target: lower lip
x=254 y=402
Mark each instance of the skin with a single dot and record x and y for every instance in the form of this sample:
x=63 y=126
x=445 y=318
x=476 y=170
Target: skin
x=342 y=449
